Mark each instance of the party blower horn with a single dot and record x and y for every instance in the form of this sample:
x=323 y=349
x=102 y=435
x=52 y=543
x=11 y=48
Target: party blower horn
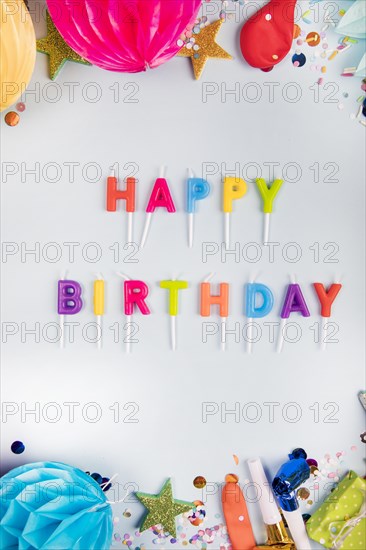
x=277 y=536
x=292 y=474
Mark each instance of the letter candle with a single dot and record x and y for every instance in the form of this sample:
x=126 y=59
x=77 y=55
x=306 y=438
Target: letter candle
x=294 y=302
x=221 y=299
x=114 y=194
x=160 y=198
x=326 y=299
x=69 y=302
x=275 y=528
x=197 y=189
x=289 y=477
x=233 y=189
x=173 y=286
x=134 y=293
x=99 y=306
x=252 y=311
x=268 y=195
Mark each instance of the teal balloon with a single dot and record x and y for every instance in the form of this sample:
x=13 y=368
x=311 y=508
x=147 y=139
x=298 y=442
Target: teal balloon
x=53 y=506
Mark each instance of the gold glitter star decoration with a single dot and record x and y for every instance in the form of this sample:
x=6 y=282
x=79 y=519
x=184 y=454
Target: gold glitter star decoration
x=57 y=50
x=203 y=47
x=162 y=509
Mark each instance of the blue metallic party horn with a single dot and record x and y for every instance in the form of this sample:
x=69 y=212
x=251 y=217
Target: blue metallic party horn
x=289 y=477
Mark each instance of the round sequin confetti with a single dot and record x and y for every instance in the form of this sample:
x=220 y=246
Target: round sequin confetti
x=313 y=39
x=12 y=118
x=98 y=478
x=17 y=447
x=268 y=17
x=298 y=60
x=199 y=482
x=303 y=493
x=20 y=107
x=297 y=31
x=311 y=462
x=127 y=513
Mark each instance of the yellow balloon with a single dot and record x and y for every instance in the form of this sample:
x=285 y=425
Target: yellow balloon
x=17 y=50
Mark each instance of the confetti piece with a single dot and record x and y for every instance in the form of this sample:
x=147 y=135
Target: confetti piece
x=236 y=460
x=17 y=447
x=231 y=478
x=199 y=482
x=12 y=118
x=334 y=54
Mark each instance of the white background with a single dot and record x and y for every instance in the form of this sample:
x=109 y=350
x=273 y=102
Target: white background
x=170 y=124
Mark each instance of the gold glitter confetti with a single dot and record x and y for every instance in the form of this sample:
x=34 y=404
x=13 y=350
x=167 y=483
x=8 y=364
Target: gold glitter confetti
x=57 y=50
x=207 y=47
x=162 y=509
x=199 y=482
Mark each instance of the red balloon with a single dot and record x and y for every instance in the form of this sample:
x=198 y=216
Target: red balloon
x=123 y=35
x=266 y=37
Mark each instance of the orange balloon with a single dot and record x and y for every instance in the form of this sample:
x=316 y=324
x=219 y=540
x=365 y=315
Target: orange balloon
x=17 y=50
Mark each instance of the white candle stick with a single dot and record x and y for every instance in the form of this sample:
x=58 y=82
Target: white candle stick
x=280 y=336
x=130 y=227
x=62 y=319
x=323 y=333
x=223 y=333
x=173 y=332
x=227 y=222
x=190 y=229
x=266 y=227
x=128 y=319
x=190 y=218
x=149 y=215
x=100 y=331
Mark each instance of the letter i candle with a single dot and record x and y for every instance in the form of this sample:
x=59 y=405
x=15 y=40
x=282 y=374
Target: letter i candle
x=160 y=198
x=99 y=307
x=114 y=194
x=173 y=286
x=221 y=299
x=326 y=299
x=197 y=189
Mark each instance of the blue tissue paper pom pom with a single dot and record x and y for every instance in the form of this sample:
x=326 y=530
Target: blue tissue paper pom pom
x=49 y=505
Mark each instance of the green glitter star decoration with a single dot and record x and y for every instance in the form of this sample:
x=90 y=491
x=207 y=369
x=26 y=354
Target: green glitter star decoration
x=163 y=508
x=56 y=48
